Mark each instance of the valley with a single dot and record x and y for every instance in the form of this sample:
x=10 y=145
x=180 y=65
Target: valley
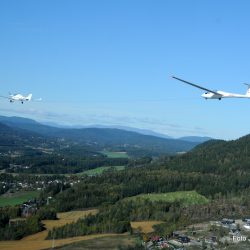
x=138 y=200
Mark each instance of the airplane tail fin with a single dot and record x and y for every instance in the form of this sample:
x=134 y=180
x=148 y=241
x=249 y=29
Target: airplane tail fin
x=248 y=89
x=28 y=98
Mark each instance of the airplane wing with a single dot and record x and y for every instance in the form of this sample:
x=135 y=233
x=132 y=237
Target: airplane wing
x=197 y=86
x=5 y=97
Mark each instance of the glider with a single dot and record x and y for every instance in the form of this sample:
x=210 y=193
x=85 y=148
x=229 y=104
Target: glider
x=216 y=94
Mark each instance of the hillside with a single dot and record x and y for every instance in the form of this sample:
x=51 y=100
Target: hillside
x=14 y=137
x=215 y=156
x=27 y=124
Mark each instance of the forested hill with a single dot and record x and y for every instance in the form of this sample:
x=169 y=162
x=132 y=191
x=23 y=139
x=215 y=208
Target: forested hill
x=19 y=137
x=27 y=124
x=133 y=143
x=215 y=156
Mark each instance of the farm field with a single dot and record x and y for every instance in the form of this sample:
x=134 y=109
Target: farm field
x=12 y=199
x=185 y=197
x=99 y=170
x=38 y=242
x=145 y=226
x=115 y=154
x=107 y=243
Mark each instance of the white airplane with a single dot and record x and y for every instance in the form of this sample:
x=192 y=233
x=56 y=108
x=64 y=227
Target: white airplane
x=217 y=94
x=18 y=97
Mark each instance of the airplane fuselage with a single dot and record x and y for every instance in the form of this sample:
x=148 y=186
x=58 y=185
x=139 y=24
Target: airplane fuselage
x=222 y=94
x=18 y=97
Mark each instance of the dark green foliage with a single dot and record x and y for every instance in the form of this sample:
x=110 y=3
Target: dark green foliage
x=90 y=225
x=217 y=157
x=19 y=229
x=113 y=186
x=33 y=225
x=4 y=219
x=47 y=213
x=11 y=212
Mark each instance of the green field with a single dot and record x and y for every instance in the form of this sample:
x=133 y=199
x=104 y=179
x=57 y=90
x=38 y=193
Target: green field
x=110 y=154
x=108 y=243
x=185 y=197
x=99 y=170
x=12 y=199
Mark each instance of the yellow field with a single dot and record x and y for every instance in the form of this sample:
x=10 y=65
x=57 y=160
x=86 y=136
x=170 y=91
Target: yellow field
x=145 y=226
x=38 y=242
x=68 y=217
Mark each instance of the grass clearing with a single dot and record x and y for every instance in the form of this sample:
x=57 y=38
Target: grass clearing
x=12 y=199
x=100 y=170
x=185 y=197
x=111 y=154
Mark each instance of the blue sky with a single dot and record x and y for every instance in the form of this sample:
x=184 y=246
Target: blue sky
x=109 y=62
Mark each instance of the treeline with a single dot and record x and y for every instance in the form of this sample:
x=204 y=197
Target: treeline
x=15 y=229
x=90 y=225
x=51 y=164
x=20 y=228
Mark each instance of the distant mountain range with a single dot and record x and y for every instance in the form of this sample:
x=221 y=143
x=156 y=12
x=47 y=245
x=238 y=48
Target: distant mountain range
x=26 y=123
x=132 y=140
x=137 y=130
x=198 y=139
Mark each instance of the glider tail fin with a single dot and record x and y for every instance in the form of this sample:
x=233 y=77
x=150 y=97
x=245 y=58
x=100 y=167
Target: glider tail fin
x=28 y=98
x=248 y=89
